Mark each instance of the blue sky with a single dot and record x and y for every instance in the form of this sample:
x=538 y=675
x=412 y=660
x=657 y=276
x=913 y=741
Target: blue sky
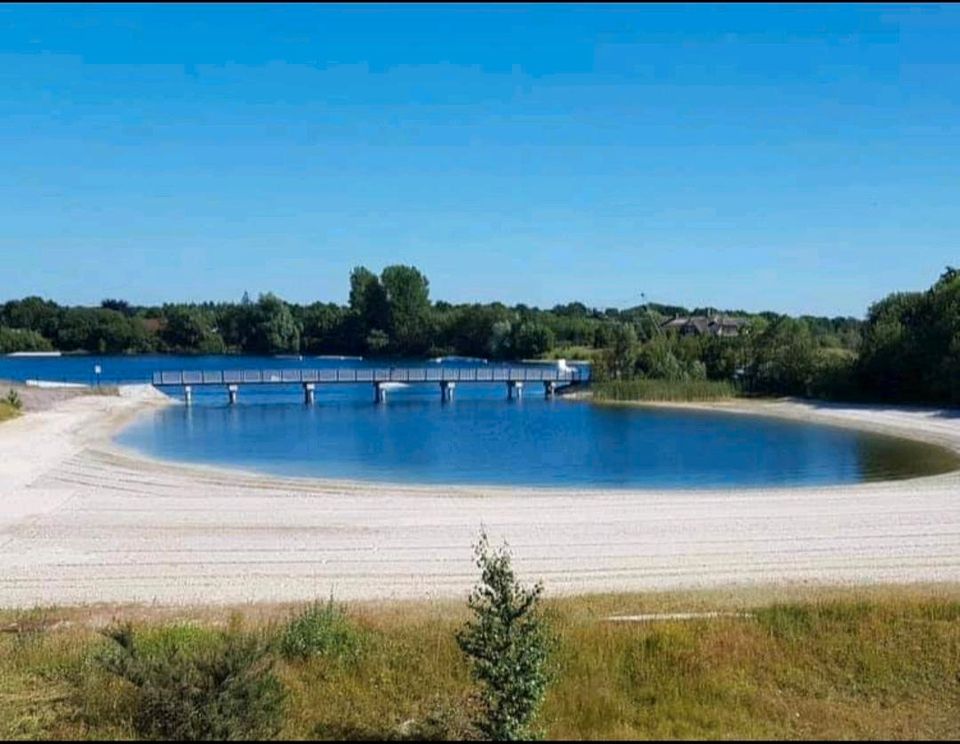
x=801 y=159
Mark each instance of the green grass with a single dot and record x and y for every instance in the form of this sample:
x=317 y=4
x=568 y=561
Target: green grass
x=662 y=390
x=571 y=352
x=805 y=663
x=7 y=411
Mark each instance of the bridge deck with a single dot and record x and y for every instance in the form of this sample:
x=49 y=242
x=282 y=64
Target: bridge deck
x=395 y=374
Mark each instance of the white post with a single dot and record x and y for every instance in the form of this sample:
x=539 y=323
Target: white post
x=232 y=393
x=308 y=393
x=187 y=394
x=446 y=390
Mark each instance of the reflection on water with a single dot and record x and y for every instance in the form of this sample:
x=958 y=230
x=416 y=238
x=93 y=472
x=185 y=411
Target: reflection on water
x=482 y=438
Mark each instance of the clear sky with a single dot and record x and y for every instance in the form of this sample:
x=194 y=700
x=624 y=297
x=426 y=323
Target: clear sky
x=800 y=159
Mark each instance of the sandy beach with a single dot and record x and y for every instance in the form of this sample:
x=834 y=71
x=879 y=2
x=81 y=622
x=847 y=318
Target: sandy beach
x=83 y=521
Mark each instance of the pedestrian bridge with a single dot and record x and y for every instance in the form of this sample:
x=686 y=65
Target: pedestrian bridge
x=379 y=378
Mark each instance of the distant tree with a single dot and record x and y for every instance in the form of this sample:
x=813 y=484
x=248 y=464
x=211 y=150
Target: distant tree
x=409 y=322
x=531 y=339
x=120 y=306
x=499 y=345
x=274 y=329
x=190 y=329
x=102 y=331
x=619 y=358
x=18 y=339
x=324 y=328
x=32 y=314
x=784 y=358
x=368 y=301
x=377 y=341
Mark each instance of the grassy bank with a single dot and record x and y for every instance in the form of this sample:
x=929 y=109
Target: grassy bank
x=882 y=662
x=662 y=390
x=8 y=411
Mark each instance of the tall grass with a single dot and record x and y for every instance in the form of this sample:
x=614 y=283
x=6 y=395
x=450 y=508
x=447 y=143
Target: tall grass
x=865 y=663
x=663 y=390
x=7 y=411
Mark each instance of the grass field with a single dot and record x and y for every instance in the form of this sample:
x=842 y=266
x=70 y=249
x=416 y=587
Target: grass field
x=810 y=663
x=662 y=390
x=7 y=411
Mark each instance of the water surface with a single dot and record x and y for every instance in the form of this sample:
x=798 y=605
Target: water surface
x=481 y=438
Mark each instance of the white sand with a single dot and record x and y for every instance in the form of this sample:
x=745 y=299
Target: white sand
x=82 y=521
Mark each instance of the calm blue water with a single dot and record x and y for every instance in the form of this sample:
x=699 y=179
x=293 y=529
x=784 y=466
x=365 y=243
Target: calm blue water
x=481 y=438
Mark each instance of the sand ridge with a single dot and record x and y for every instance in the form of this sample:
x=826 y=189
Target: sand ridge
x=84 y=521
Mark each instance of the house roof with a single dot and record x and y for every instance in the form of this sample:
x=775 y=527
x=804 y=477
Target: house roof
x=704 y=324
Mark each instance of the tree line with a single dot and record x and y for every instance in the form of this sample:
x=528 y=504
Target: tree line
x=907 y=348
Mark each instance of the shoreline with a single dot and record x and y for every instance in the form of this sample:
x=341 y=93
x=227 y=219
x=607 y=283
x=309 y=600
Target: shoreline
x=84 y=520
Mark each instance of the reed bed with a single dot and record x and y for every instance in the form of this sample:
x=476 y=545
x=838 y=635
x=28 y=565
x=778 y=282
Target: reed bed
x=663 y=390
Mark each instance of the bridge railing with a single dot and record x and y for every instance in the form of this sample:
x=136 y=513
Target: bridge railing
x=379 y=374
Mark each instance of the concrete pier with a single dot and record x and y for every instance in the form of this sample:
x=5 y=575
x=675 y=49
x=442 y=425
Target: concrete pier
x=232 y=394
x=309 y=390
x=446 y=390
x=549 y=389
x=379 y=393
x=514 y=390
x=187 y=394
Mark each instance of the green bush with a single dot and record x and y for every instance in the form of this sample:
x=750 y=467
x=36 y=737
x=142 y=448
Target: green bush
x=508 y=646
x=13 y=399
x=319 y=630
x=221 y=686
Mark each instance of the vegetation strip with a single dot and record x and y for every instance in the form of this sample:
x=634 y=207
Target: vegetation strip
x=905 y=350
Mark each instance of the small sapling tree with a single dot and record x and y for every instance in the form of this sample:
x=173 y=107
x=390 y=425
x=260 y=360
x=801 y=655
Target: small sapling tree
x=507 y=644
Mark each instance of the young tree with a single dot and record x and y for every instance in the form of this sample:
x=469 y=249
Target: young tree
x=507 y=644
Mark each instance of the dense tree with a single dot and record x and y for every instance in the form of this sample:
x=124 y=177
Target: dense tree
x=274 y=329
x=619 y=358
x=368 y=302
x=18 y=339
x=102 y=331
x=409 y=321
x=188 y=328
x=911 y=344
x=324 y=329
x=531 y=339
x=784 y=358
x=31 y=314
x=907 y=350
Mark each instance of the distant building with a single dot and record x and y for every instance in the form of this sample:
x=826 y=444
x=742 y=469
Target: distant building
x=701 y=325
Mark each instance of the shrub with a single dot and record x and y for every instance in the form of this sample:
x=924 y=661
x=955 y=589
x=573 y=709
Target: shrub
x=222 y=687
x=320 y=630
x=13 y=399
x=507 y=644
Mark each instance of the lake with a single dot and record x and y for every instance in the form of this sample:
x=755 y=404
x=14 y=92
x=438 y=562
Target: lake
x=481 y=437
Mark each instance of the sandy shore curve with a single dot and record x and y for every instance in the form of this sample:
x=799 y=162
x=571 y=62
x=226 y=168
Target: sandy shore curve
x=84 y=521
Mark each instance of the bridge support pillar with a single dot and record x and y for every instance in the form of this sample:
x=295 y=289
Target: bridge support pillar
x=549 y=388
x=446 y=390
x=379 y=393
x=187 y=394
x=514 y=390
x=232 y=394
x=309 y=389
